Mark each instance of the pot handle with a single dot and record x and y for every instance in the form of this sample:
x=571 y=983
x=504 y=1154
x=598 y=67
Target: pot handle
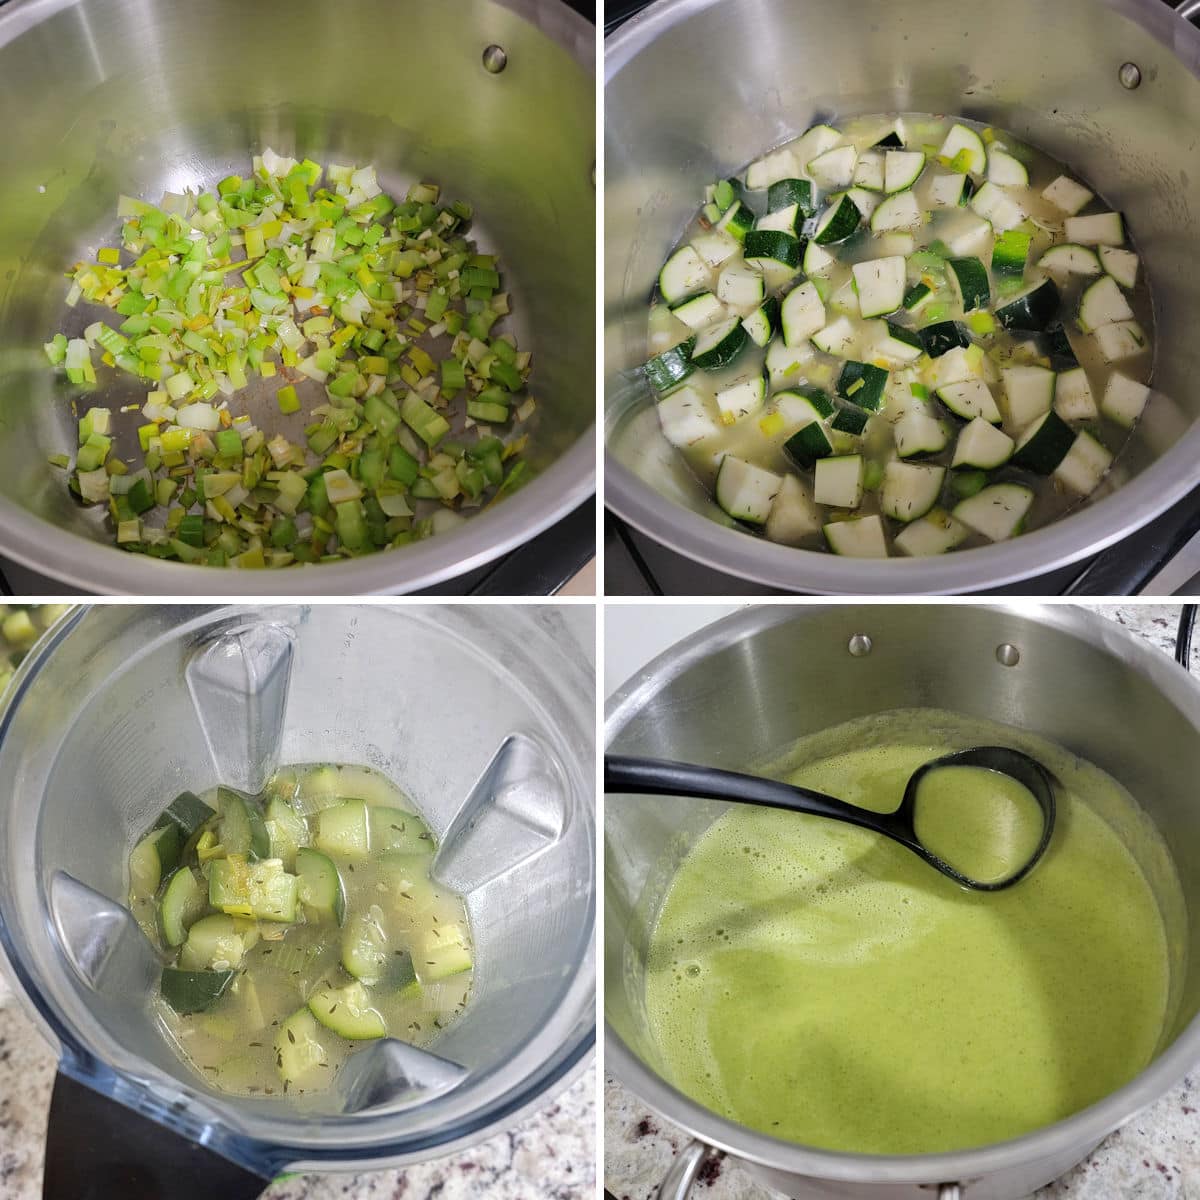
x=1183 y=638
x=685 y=1170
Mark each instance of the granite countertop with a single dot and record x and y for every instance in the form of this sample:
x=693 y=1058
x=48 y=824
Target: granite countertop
x=1156 y=1156
x=551 y=1154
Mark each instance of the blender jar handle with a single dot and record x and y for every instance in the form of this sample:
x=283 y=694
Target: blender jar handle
x=97 y=1149
x=685 y=1170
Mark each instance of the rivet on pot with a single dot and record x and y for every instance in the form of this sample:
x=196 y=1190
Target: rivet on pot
x=495 y=59
x=1130 y=75
x=859 y=645
x=1007 y=655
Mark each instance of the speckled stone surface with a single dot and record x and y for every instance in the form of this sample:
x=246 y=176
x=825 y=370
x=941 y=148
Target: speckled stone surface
x=549 y=1156
x=1156 y=1156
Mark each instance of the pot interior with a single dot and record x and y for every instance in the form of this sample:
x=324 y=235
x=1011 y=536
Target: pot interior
x=702 y=94
x=166 y=699
x=118 y=99
x=743 y=699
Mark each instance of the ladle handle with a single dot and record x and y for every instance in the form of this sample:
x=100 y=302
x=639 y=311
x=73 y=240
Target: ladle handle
x=659 y=777
x=97 y=1149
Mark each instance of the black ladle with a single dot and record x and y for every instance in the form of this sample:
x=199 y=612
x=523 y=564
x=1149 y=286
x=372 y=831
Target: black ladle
x=655 y=777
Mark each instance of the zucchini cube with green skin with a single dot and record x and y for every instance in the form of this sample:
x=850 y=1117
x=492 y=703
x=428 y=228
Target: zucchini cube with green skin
x=253 y=889
x=217 y=943
x=369 y=955
x=152 y=860
x=808 y=445
x=863 y=384
x=242 y=828
x=344 y=829
x=838 y=481
x=187 y=812
x=193 y=991
x=670 y=367
x=286 y=830
x=183 y=903
x=320 y=887
x=347 y=1012
x=443 y=953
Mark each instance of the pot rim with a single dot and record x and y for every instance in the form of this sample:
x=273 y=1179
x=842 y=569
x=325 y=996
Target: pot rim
x=1084 y=1129
x=1085 y=532
x=99 y=566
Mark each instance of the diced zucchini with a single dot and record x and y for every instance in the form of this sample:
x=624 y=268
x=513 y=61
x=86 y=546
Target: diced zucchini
x=443 y=953
x=183 y=903
x=719 y=345
x=1028 y=394
x=1122 y=340
x=1103 y=303
x=1084 y=466
x=784 y=362
x=817 y=261
x=869 y=171
x=863 y=384
x=1124 y=399
x=880 y=284
x=740 y=287
x=1009 y=254
x=1073 y=400
x=687 y=417
x=1067 y=195
x=898 y=344
x=700 y=311
x=767 y=247
x=286 y=830
x=898 y=211
x=838 y=481
x=347 y=1012
x=901 y=169
x=858 y=537
x=1099 y=229
x=981 y=444
x=715 y=247
x=972 y=279
x=1122 y=265
x=408 y=877
x=998 y=208
x=970 y=399
x=833 y=168
x=910 y=490
x=945 y=191
x=1032 y=311
x=188 y=812
x=368 y=955
x=763 y=323
x=794 y=517
x=242 y=829
x=839 y=220
x=942 y=337
x=970 y=235
x=252 y=889
x=1044 y=444
x=808 y=445
x=850 y=420
x=836 y=338
x=671 y=366
x=1067 y=259
x=217 y=943
x=741 y=398
x=398 y=829
x=683 y=274
x=783 y=220
x=802 y=314
x=770 y=169
x=152 y=860
x=301 y=1057
x=1004 y=170
x=997 y=512
x=737 y=221
x=344 y=829
x=935 y=533
x=193 y=991
x=964 y=148
x=785 y=193
x=920 y=432
x=745 y=491
x=319 y=887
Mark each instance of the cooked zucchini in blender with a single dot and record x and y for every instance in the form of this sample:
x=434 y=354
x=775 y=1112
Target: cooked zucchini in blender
x=295 y=925
x=901 y=336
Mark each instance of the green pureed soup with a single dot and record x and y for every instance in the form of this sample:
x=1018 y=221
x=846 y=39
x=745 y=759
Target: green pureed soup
x=901 y=336
x=298 y=925
x=824 y=985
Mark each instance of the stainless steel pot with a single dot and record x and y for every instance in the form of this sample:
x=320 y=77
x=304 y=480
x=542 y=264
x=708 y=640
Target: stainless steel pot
x=694 y=88
x=733 y=695
x=104 y=96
